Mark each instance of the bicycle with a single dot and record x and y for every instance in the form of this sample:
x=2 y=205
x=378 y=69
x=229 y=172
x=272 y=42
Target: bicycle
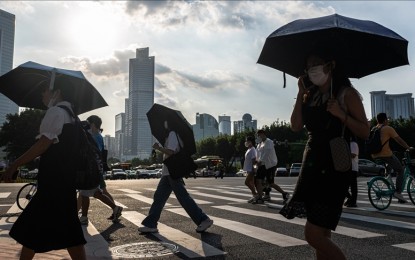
x=25 y=194
x=381 y=189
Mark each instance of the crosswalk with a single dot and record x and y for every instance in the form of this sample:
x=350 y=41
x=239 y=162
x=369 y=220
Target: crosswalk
x=228 y=201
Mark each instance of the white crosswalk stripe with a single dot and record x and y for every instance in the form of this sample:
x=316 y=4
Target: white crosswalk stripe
x=251 y=231
x=188 y=245
x=4 y=195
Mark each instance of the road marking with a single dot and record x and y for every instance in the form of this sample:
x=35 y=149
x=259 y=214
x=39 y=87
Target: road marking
x=251 y=231
x=129 y=191
x=4 y=195
x=218 y=197
x=6 y=205
x=143 y=199
x=407 y=246
x=96 y=244
x=6 y=223
x=173 y=196
x=351 y=232
x=188 y=245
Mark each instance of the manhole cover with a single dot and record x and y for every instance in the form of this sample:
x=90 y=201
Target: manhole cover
x=144 y=250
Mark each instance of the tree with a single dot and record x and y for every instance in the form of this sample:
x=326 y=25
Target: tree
x=19 y=132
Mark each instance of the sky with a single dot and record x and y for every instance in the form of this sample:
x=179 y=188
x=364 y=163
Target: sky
x=205 y=52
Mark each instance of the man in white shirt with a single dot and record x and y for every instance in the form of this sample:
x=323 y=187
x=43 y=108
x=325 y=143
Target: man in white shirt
x=267 y=164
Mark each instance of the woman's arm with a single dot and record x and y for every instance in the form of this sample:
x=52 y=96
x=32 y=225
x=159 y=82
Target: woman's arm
x=355 y=119
x=297 y=116
x=36 y=150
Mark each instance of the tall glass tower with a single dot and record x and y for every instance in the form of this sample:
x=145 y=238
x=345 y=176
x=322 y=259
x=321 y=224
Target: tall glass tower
x=138 y=137
x=7 y=26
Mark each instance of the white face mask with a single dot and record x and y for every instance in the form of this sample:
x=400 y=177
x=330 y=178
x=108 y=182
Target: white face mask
x=317 y=75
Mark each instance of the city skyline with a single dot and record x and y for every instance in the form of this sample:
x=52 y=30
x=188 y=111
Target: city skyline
x=206 y=50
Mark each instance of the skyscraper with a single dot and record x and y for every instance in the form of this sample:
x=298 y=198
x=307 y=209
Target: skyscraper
x=395 y=106
x=225 y=125
x=7 y=26
x=119 y=135
x=138 y=137
x=246 y=124
x=206 y=126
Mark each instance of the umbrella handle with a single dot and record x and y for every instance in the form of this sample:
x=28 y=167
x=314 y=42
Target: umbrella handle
x=52 y=79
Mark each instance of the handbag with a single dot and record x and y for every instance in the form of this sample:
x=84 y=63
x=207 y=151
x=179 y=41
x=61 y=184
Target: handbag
x=180 y=164
x=340 y=153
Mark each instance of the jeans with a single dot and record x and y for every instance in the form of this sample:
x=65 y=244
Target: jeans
x=394 y=163
x=162 y=193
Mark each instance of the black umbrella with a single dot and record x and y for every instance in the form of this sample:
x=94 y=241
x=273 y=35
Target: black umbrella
x=361 y=47
x=24 y=84
x=176 y=122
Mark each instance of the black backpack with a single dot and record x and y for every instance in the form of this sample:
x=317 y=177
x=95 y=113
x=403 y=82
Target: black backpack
x=88 y=161
x=373 y=143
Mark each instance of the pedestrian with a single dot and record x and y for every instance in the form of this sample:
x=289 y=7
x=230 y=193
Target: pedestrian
x=326 y=107
x=267 y=165
x=386 y=155
x=50 y=220
x=249 y=166
x=100 y=193
x=352 y=196
x=167 y=184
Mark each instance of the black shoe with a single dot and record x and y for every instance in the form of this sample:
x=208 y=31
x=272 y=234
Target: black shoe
x=285 y=196
x=346 y=203
x=351 y=205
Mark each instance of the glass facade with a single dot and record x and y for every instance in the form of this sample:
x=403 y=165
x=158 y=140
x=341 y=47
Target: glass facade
x=7 y=28
x=137 y=135
x=395 y=106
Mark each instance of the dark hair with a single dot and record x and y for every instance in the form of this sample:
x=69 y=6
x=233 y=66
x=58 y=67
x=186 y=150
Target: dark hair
x=261 y=131
x=381 y=118
x=251 y=139
x=96 y=120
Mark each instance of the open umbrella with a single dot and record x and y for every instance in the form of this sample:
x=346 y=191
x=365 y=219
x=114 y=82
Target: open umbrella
x=176 y=121
x=361 y=47
x=24 y=84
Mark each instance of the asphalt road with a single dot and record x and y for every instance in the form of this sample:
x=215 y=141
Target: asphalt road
x=241 y=230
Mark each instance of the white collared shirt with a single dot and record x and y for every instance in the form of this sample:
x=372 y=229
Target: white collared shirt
x=53 y=121
x=266 y=153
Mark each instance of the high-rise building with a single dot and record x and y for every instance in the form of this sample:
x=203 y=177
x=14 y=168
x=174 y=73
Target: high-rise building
x=206 y=126
x=138 y=137
x=7 y=28
x=246 y=124
x=109 y=143
x=119 y=135
x=224 y=125
x=394 y=105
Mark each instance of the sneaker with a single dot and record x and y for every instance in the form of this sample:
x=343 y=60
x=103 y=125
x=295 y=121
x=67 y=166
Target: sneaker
x=266 y=198
x=251 y=199
x=399 y=196
x=346 y=203
x=285 y=196
x=111 y=217
x=351 y=205
x=145 y=229
x=117 y=213
x=258 y=201
x=207 y=223
x=84 y=220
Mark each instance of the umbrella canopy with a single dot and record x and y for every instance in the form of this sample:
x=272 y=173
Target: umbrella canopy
x=360 y=47
x=24 y=85
x=176 y=121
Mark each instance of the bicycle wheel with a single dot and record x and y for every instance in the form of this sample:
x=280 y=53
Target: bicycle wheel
x=411 y=188
x=380 y=193
x=25 y=194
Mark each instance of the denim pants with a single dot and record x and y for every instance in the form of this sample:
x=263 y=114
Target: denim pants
x=162 y=193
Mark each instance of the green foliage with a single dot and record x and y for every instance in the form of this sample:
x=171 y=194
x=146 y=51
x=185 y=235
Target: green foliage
x=18 y=132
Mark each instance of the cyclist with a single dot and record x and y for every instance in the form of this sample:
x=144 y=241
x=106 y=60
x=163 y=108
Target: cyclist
x=386 y=155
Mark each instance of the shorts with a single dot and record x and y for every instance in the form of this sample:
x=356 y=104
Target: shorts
x=89 y=193
x=263 y=173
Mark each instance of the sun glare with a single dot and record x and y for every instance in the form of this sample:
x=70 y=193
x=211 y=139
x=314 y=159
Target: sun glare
x=93 y=31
